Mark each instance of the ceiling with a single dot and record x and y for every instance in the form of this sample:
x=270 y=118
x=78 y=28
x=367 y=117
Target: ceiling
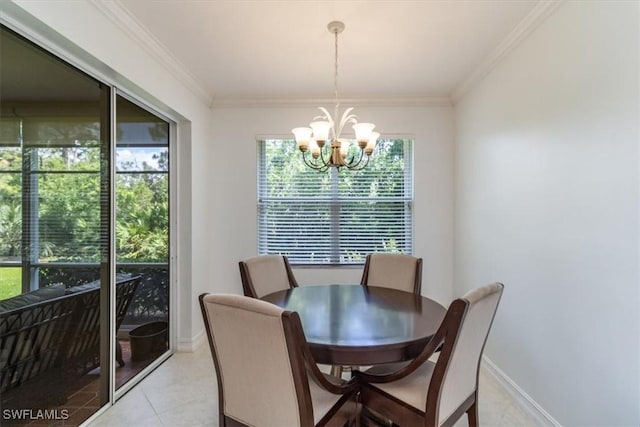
x=252 y=49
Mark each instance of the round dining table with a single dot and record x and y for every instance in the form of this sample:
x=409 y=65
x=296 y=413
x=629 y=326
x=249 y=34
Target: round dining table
x=361 y=325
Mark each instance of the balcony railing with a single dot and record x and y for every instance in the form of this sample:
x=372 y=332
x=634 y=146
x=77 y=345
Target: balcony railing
x=150 y=302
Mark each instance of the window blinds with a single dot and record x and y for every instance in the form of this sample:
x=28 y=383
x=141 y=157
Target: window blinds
x=335 y=217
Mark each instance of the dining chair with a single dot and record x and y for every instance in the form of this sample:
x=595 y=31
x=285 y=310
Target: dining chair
x=265 y=274
x=393 y=270
x=428 y=393
x=266 y=373
x=388 y=270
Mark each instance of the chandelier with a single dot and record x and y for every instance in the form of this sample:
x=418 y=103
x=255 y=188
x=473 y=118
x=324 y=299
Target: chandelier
x=321 y=144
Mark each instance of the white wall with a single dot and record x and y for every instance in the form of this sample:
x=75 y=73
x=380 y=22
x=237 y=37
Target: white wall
x=235 y=139
x=547 y=202
x=81 y=33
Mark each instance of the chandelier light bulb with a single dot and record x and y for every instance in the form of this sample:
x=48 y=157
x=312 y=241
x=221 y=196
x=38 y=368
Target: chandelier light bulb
x=363 y=133
x=320 y=130
x=303 y=135
x=344 y=147
x=314 y=148
x=371 y=144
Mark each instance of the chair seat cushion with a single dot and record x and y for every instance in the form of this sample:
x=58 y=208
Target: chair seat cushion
x=411 y=389
x=322 y=400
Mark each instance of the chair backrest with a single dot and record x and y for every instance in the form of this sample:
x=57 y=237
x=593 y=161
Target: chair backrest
x=265 y=387
x=265 y=274
x=467 y=325
x=397 y=271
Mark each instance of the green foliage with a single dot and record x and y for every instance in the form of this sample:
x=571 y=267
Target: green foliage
x=289 y=177
x=142 y=217
x=10 y=228
x=67 y=196
x=69 y=205
x=10 y=202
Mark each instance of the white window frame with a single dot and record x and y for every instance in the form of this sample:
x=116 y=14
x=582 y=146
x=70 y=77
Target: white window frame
x=301 y=249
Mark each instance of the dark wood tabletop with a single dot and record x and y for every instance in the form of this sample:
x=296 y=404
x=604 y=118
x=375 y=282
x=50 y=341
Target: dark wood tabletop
x=357 y=325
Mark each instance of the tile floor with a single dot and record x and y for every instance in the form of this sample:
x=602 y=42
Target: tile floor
x=182 y=392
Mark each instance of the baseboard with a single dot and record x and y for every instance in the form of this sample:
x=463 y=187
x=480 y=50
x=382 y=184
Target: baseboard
x=189 y=346
x=525 y=401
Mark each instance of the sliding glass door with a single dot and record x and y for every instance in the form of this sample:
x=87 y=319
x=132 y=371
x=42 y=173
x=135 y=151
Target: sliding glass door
x=84 y=238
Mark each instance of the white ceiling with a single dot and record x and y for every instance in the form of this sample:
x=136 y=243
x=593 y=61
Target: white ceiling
x=283 y=50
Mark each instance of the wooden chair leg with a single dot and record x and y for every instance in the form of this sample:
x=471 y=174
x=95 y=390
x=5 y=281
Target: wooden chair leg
x=472 y=414
x=358 y=420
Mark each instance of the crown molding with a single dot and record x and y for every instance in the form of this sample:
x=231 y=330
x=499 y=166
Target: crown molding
x=542 y=10
x=118 y=15
x=427 y=101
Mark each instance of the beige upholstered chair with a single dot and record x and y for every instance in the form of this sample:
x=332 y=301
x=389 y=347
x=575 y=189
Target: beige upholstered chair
x=265 y=274
x=437 y=394
x=388 y=270
x=263 y=364
x=398 y=271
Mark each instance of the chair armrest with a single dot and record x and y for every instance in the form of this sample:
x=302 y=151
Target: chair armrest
x=397 y=371
x=330 y=383
x=452 y=318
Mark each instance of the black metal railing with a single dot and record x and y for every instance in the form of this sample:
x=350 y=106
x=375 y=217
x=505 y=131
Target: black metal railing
x=150 y=302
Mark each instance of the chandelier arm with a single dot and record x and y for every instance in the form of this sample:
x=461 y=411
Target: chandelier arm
x=306 y=161
x=359 y=166
x=312 y=165
x=322 y=159
x=352 y=162
x=320 y=167
x=326 y=116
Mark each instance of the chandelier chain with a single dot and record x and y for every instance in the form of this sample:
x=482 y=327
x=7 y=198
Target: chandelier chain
x=335 y=75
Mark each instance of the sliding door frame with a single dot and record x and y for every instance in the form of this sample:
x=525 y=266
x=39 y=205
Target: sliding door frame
x=49 y=40
x=117 y=394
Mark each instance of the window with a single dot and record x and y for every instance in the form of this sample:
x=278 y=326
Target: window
x=335 y=217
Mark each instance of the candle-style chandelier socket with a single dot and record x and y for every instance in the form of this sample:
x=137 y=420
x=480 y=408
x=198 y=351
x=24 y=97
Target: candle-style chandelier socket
x=323 y=132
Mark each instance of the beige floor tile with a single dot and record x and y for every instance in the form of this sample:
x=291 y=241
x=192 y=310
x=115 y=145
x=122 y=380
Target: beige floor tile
x=183 y=392
x=200 y=413
x=133 y=409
